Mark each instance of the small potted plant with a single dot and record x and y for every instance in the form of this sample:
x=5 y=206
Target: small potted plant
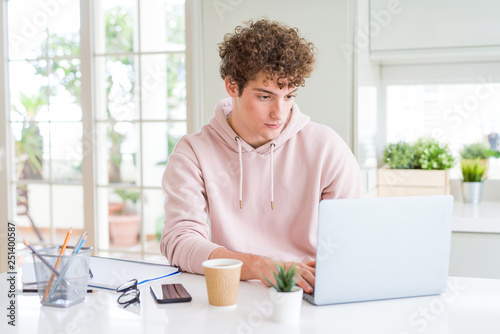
x=285 y=295
x=473 y=172
x=412 y=169
x=124 y=221
x=478 y=151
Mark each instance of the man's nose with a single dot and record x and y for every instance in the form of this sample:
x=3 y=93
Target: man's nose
x=277 y=109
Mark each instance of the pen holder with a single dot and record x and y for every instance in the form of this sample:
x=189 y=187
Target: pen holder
x=69 y=286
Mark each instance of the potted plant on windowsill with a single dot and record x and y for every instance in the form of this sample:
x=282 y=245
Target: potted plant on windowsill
x=285 y=295
x=414 y=169
x=124 y=221
x=29 y=151
x=477 y=151
x=475 y=164
x=473 y=172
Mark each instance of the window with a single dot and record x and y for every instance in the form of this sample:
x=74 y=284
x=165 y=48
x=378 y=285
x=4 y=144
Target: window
x=456 y=114
x=138 y=96
x=45 y=117
x=140 y=112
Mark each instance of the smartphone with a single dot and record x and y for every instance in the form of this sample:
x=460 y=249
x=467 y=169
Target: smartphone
x=170 y=293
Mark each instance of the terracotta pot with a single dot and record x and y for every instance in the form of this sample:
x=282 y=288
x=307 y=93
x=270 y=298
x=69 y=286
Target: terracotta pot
x=115 y=207
x=124 y=230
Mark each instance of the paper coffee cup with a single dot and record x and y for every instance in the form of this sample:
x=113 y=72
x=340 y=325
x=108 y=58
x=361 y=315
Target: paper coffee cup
x=223 y=279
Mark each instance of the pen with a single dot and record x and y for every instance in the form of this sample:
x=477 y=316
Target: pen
x=36 y=290
x=63 y=248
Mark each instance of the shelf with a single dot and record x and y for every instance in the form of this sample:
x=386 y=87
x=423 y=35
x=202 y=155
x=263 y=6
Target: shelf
x=476 y=218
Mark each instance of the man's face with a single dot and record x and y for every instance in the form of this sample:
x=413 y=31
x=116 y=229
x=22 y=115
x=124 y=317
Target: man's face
x=262 y=111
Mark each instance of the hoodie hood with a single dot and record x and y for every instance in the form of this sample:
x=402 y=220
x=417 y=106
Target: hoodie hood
x=220 y=125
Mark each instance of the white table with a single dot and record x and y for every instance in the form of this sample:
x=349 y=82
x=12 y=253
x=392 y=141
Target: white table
x=476 y=218
x=470 y=305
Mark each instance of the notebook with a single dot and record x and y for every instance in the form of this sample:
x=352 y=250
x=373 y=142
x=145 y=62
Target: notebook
x=382 y=248
x=109 y=273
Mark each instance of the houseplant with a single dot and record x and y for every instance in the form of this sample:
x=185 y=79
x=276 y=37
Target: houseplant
x=475 y=164
x=479 y=151
x=473 y=173
x=412 y=169
x=285 y=295
x=475 y=151
x=124 y=221
x=29 y=151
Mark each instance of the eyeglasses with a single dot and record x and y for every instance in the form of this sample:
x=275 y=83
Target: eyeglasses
x=130 y=293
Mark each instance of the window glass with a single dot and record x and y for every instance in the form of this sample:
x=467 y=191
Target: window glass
x=455 y=114
x=140 y=113
x=124 y=218
x=27 y=29
x=116 y=26
x=28 y=91
x=162 y=25
x=138 y=99
x=45 y=116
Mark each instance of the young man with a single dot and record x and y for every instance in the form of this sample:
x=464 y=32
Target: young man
x=259 y=168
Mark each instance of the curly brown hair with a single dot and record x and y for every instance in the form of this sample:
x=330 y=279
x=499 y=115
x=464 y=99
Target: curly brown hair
x=269 y=47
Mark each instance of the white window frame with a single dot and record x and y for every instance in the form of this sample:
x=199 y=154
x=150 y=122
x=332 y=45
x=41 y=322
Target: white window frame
x=5 y=211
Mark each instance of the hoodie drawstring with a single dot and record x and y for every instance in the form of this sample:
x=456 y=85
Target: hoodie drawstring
x=272 y=176
x=237 y=138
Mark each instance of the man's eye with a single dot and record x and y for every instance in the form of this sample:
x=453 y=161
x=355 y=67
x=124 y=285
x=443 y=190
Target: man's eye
x=264 y=97
x=290 y=97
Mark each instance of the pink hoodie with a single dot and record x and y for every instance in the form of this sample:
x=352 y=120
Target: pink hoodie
x=210 y=171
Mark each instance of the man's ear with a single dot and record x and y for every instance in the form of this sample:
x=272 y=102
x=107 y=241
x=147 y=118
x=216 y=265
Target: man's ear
x=231 y=88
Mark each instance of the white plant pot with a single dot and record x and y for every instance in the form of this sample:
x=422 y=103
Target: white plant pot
x=286 y=305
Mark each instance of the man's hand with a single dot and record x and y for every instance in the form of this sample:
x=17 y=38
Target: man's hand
x=259 y=267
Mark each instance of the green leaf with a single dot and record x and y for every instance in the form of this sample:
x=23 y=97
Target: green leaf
x=473 y=151
x=279 y=281
x=281 y=270
x=473 y=170
x=291 y=273
x=272 y=284
x=285 y=278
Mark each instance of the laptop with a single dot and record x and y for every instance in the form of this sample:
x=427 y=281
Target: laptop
x=382 y=248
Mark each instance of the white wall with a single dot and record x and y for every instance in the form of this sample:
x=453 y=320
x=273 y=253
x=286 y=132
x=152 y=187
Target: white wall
x=435 y=24
x=475 y=255
x=436 y=31
x=327 y=96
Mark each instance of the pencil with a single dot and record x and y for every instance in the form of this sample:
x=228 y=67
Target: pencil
x=63 y=248
x=36 y=290
x=33 y=250
x=79 y=245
